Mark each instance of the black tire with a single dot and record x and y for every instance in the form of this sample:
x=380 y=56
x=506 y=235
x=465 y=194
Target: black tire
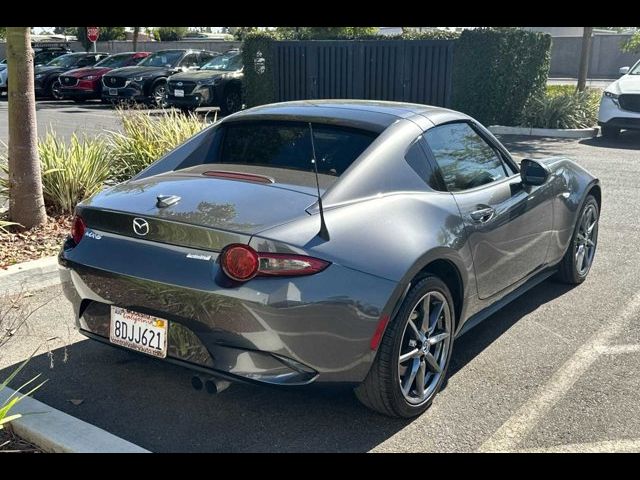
x=156 y=100
x=231 y=101
x=609 y=132
x=381 y=390
x=570 y=272
x=54 y=90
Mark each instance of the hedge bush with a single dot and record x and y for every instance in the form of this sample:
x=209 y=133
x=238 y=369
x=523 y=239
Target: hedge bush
x=496 y=72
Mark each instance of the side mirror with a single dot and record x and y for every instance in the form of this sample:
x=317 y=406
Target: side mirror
x=533 y=172
x=623 y=70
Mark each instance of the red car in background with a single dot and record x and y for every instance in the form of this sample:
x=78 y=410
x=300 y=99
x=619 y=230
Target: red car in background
x=86 y=83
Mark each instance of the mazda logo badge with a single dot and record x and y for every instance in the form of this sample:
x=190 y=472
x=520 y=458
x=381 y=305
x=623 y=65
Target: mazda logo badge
x=179 y=84
x=140 y=226
x=113 y=80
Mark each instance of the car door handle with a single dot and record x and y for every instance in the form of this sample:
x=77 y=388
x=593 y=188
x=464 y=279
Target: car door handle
x=483 y=215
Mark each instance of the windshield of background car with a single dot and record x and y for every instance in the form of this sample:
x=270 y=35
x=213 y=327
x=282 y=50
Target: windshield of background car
x=287 y=145
x=228 y=63
x=635 y=70
x=114 y=61
x=68 y=60
x=162 y=59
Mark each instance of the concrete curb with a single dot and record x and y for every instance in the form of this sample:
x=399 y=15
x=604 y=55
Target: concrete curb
x=31 y=275
x=545 y=132
x=57 y=432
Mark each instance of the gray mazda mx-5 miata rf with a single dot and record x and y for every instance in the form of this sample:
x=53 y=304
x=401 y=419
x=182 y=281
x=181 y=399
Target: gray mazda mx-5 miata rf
x=326 y=241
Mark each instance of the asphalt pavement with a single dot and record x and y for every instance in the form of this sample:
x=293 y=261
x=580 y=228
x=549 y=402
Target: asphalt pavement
x=555 y=370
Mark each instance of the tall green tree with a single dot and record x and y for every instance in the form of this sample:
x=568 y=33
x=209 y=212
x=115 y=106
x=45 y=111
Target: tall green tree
x=26 y=204
x=633 y=44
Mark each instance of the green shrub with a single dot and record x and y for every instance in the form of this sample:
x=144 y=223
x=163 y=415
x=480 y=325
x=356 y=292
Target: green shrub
x=4 y=224
x=146 y=138
x=563 y=107
x=6 y=415
x=497 y=71
x=71 y=171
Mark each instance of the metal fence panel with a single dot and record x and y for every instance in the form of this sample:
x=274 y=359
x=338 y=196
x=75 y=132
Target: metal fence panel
x=402 y=70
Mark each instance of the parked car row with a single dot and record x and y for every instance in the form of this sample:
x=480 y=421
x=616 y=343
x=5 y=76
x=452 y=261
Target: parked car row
x=181 y=78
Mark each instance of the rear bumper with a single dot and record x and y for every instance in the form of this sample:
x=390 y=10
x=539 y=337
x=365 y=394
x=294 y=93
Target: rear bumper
x=287 y=331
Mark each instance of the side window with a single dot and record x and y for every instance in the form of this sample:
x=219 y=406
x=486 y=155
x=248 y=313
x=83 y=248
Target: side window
x=419 y=162
x=190 y=60
x=464 y=158
x=204 y=58
x=235 y=63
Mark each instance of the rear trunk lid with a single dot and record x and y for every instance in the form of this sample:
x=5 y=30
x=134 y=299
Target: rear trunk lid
x=217 y=205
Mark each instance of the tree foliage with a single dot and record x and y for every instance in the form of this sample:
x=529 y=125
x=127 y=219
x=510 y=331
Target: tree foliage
x=170 y=33
x=633 y=44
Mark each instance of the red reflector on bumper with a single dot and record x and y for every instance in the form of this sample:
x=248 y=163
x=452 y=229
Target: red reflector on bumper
x=377 y=336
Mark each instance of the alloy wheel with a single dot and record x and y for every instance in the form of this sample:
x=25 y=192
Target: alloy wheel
x=425 y=346
x=586 y=240
x=160 y=95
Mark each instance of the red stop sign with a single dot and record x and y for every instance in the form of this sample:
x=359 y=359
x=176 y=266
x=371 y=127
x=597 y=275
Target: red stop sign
x=93 y=33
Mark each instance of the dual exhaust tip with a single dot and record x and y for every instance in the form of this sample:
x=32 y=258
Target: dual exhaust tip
x=212 y=385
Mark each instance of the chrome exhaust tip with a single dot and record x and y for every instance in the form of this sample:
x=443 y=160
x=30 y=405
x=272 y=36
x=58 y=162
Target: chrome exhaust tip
x=215 y=385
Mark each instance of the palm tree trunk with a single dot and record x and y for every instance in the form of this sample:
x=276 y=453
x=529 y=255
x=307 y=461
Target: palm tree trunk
x=136 y=31
x=584 y=58
x=26 y=205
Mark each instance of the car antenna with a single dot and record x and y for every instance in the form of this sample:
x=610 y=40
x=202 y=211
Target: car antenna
x=323 y=233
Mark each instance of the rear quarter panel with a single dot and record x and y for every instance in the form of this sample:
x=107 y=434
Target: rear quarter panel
x=571 y=184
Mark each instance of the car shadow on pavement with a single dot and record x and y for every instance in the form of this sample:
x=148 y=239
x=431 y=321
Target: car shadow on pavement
x=627 y=140
x=153 y=404
x=472 y=343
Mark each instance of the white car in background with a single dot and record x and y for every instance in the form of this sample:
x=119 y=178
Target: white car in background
x=3 y=81
x=620 y=104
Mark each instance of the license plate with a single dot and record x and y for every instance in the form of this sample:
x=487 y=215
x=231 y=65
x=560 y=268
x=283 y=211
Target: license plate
x=113 y=91
x=178 y=93
x=139 y=331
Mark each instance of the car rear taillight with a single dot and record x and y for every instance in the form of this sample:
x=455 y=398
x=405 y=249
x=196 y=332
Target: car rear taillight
x=285 y=264
x=77 y=229
x=241 y=263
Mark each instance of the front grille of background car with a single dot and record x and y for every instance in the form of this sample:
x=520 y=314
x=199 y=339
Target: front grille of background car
x=68 y=81
x=114 y=82
x=186 y=86
x=630 y=102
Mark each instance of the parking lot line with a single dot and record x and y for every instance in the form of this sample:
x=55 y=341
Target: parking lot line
x=516 y=428
x=608 y=446
x=617 y=349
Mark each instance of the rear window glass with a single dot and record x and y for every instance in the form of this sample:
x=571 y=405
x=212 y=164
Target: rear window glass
x=287 y=145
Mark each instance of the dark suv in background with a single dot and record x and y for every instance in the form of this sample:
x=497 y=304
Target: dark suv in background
x=46 y=76
x=86 y=83
x=147 y=82
x=216 y=83
x=44 y=53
